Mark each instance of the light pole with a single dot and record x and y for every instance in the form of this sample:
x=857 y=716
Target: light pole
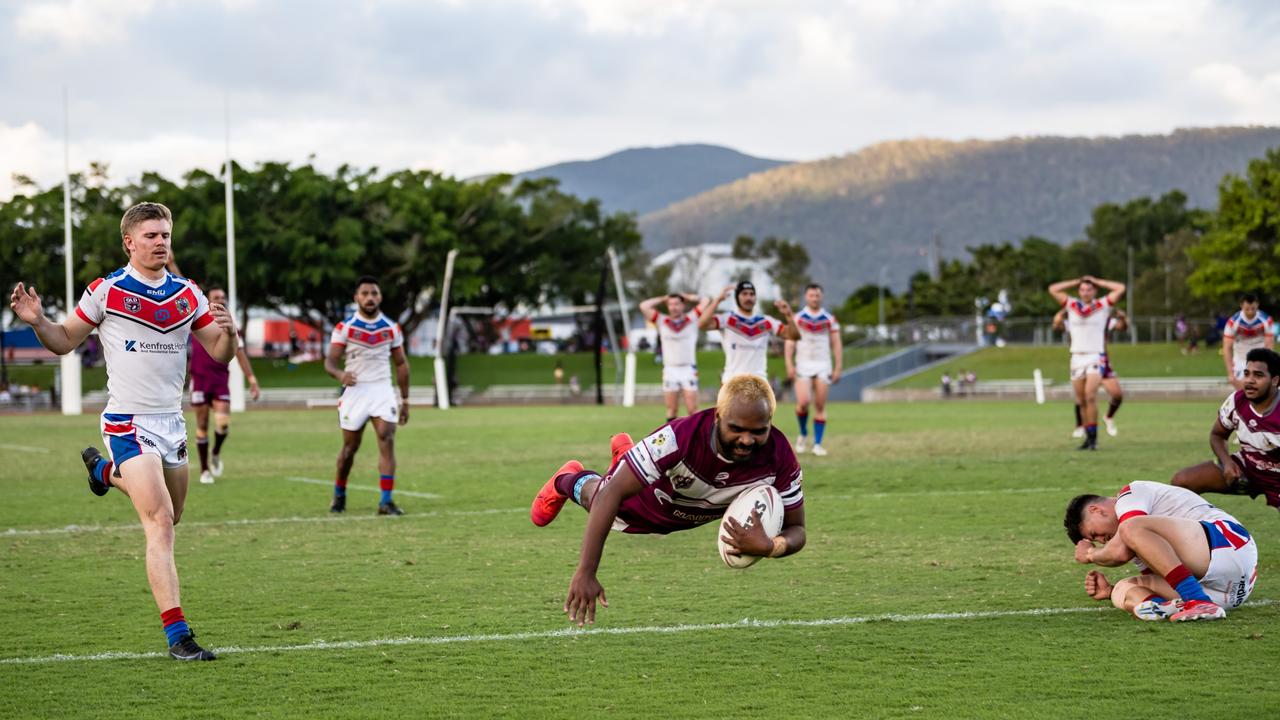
x=880 y=291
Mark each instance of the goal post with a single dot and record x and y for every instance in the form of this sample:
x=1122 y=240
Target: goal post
x=442 y=326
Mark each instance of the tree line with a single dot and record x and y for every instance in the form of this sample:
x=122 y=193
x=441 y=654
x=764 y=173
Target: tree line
x=1185 y=260
x=304 y=236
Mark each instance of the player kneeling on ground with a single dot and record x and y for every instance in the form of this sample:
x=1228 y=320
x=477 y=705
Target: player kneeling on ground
x=1253 y=412
x=1196 y=560
x=683 y=475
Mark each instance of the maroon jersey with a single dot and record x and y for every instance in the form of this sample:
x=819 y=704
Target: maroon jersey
x=1259 y=443
x=687 y=483
x=204 y=367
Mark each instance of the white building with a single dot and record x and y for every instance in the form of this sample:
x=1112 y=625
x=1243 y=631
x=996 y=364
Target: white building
x=707 y=269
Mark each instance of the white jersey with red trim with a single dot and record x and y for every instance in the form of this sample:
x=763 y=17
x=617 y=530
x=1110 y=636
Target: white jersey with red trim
x=1247 y=333
x=746 y=343
x=143 y=326
x=679 y=338
x=1143 y=497
x=1087 y=324
x=368 y=344
x=814 y=345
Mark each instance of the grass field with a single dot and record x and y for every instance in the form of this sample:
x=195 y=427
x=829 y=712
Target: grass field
x=478 y=371
x=1016 y=362
x=922 y=514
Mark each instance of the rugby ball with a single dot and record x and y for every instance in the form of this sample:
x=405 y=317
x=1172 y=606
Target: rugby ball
x=761 y=498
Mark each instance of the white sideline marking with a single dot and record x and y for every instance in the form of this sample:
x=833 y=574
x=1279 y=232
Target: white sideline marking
x=944 y=493
x=24 y=448
x=570 y=632
x=329 y=483
x=66 y=530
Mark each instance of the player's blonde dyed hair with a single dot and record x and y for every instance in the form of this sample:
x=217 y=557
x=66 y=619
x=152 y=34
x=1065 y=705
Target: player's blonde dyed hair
x=141 y=213
x=745 y=387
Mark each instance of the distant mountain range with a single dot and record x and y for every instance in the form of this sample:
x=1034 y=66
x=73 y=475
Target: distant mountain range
x=884 y=205
x=642 y=180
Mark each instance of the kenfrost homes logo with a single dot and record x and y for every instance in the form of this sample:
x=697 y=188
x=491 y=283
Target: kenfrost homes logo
x=156 y=348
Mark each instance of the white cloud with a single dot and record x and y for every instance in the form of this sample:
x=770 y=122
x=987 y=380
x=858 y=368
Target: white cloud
x=476 y=86
x=80 y=22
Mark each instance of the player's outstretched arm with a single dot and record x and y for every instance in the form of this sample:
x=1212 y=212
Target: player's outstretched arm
x=402 y=381
x=584 y=589
x=219 y=337
x=58 y=338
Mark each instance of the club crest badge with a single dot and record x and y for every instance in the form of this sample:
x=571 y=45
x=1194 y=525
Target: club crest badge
x=132 y=304
x=183 y=305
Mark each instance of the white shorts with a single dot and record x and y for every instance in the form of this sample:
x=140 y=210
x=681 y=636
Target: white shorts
x=360 y=402
x=1239 y=368
x=817 y=369
x=1083 y=364
x=1233 y=563
x=679 y=377
x=163 y=435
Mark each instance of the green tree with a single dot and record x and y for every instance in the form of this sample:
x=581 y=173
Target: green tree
x=1240 y=252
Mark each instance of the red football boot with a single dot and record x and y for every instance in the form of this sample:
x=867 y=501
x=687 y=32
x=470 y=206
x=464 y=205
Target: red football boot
x=546 y=506
x=618 y=446
x=1198 y=610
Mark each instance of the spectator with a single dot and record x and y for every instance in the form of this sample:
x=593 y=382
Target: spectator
x=946 y=384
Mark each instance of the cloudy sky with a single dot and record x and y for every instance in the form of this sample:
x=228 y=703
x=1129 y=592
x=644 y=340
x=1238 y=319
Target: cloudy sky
x=477 y=86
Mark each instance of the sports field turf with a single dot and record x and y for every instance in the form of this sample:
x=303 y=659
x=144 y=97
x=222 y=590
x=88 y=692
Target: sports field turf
x=476 y=370
x=1016 y=362
x=937 y=581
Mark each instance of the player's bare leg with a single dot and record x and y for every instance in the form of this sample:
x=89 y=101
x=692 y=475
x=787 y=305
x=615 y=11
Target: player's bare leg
x=1112 y=386
x=221 y=426
x=820 y=390
x=202 y=442
x=672 y=400
x=346 y=456
x=804 y=388
x=1202 y=478
x=386 y=434
x=690 y=401
x=158 y=496
x=1087 y=395
x=1146 y=597
x=1176 y=549
x=573 y=481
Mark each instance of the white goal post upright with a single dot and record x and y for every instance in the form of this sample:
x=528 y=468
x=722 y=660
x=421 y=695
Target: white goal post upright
x=70 y=368
x=235 y=381
x=442 y=379
x=629 y=370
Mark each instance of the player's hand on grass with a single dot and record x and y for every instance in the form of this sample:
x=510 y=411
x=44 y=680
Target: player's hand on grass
x=580 y=603
x=348 y=378
x=25 y=303
x=1084 y=552
x=748 y=540
x=1231 y=472
x=1097 y=585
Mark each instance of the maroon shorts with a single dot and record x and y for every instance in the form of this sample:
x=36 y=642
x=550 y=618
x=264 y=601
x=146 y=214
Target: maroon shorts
x=1254 y=484
x=204 y=390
